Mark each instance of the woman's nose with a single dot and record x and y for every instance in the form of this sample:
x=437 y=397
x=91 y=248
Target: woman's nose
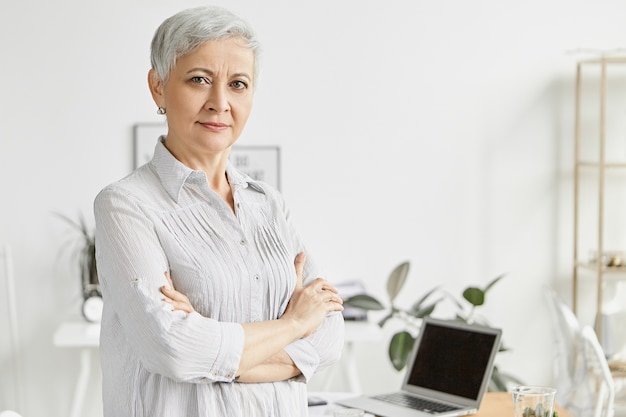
x=217 y=100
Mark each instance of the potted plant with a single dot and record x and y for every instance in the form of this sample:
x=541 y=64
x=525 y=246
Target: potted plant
x=402 y=341
x=86 y=256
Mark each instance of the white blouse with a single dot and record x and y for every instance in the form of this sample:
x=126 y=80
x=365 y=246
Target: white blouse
x=234 y=267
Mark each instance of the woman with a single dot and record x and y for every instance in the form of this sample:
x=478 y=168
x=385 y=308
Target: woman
x=257 y=324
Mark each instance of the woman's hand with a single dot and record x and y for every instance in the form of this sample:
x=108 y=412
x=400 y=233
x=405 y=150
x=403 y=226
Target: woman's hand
x=264 y=358
x=310 y=304
x=176 y=299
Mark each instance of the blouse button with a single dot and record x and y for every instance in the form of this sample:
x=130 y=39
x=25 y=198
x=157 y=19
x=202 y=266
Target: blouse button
x=242 y=241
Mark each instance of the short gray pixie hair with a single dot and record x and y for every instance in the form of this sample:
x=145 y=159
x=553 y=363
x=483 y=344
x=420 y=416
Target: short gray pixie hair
x=183 y=32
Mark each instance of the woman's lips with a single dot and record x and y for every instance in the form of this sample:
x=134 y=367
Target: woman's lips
x=215 y=127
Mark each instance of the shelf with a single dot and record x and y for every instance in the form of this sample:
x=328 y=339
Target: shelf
x=615 y=59
x=593 y=267
x=603 y=86
x=589 y=164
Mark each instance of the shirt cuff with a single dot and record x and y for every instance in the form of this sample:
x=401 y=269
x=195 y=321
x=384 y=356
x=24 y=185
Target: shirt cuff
x=229 y=353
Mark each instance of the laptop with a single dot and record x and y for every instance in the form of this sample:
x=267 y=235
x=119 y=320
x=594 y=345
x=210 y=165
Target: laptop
x=449 y=370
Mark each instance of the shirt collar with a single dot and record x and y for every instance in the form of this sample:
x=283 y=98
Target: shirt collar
x=174 y=174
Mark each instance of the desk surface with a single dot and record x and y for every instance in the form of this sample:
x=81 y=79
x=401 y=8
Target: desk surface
x=499 y=404
x=494 y=404
x=77 y=334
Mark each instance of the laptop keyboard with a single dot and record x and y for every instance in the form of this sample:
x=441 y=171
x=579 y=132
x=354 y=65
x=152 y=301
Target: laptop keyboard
x=416 y=403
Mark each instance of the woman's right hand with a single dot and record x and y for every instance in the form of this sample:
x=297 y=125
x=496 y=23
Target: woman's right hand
x=176 y=299
x=310 y=304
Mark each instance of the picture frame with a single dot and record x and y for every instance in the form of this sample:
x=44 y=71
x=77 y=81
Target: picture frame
x=261 y=163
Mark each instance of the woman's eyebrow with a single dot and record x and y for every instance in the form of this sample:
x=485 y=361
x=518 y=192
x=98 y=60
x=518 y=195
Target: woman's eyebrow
x=212 y=73
x=242 y=74
x=204 y=70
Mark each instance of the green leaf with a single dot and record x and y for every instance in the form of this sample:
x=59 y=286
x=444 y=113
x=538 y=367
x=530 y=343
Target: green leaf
x=396 y=280
x=364 y=301
x=474 y=295
x=399 y=348
x=453 y=299
x=418 y=304
x=421 y=312
x=384 y=320
x=493 y=282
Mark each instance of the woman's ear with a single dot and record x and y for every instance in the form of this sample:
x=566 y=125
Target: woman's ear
x=156 y=88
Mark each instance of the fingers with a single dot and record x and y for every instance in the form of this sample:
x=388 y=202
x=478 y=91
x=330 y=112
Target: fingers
x=299 y=264
x=169 y=279
x=309 y=305
x=330 y=288
x=328 y=294
x=176 y=299
x=321 y=284
x=325 y=292
x=173 y=295
x=331 y=297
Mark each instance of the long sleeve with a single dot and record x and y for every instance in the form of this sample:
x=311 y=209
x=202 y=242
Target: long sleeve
x=131 y=266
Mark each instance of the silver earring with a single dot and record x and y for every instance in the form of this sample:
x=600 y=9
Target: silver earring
x=161 y=110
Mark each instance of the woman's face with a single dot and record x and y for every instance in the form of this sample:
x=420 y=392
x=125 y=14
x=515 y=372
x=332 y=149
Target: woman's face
x=208 y=98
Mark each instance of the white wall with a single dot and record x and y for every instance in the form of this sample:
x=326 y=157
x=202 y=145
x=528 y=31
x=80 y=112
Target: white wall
x=435 y=132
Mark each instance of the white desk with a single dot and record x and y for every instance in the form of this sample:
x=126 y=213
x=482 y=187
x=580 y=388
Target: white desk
x=356 y=332
x=494 y=404
x=86 y=337
x=331 y=397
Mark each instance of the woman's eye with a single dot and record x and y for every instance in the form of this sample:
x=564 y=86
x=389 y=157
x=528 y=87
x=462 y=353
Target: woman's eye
x=239 y=85
x=200 y=80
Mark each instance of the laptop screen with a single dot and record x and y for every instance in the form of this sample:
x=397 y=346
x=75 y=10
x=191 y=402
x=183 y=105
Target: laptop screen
x=452 y=360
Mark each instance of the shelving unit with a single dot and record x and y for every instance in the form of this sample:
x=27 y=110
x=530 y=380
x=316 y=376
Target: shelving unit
x=597 y=167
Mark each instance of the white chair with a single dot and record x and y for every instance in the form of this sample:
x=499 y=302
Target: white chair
x=6 y=265
x=599 y=374
x=569 y=371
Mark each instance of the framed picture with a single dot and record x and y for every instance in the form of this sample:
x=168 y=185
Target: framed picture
x=262 y=163
x=145 y=138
